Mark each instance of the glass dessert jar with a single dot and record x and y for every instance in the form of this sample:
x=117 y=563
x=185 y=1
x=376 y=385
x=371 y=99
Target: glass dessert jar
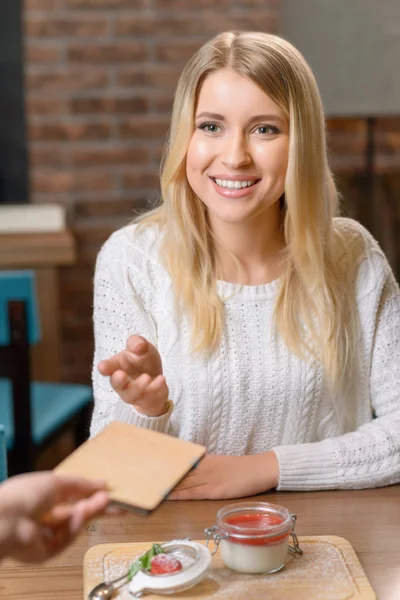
x=253 y=537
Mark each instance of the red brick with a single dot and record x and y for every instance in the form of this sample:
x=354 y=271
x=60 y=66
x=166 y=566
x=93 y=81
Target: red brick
x=107 y=53
x=57 y=181
x=349 y=125
x=388 y=164
x=347 y=164
x=102 y=4
x=388 y=124
x=43 y=53
x=105 y=208
x=68 y=131
x=390 y=142
x=46 y=27
x=113 y=105
x=246 y=4
x=176 y=52
x=109 y=156
x=64 y=199
x=45 y=106
x=53 y=156
x=149 y=75
x=198 y=5
x=90 y=235
x=41 y=4
x=146 y=128
x=141 y=180
x=209 y=23
x=65 y=80
x=346 y=143
x=163 y=104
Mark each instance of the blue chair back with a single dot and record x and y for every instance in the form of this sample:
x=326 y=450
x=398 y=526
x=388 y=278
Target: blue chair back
x=19 y=285
x=3 y=455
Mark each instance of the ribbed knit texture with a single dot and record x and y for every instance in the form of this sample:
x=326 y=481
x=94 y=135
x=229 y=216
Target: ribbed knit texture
x=254 y=395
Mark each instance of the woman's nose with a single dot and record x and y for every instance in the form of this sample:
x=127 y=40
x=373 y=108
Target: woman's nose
x=235 y=153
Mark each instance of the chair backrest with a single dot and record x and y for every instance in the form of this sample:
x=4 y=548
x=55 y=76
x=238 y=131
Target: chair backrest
x=3 y=455
x=19 y=328
x=19 y=286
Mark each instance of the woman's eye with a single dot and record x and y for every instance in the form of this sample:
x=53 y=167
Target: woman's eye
x=210 y=127
x=267 y=130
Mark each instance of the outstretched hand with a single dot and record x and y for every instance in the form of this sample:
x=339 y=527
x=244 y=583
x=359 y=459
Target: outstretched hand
x=41 y=513
x=220 y=477
x=137 y=377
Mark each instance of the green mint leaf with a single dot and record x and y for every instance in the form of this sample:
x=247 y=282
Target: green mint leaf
x=133 y=569
x=144 y=561
x=158 y=549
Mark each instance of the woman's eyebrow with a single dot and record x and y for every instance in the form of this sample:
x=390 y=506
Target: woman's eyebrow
x=260 y=118
x=210 y=115
x=255 y=119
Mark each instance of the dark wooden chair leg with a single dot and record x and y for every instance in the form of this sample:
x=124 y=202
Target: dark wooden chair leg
x=82 y=427
x=19 y=365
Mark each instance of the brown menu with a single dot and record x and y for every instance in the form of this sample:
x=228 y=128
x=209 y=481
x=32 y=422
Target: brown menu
x=140 y=466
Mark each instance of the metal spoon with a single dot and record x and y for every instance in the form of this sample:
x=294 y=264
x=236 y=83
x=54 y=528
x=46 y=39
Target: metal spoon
x=104 y=590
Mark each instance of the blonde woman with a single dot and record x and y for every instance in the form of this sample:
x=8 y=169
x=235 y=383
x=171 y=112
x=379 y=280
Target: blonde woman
x=240 y=313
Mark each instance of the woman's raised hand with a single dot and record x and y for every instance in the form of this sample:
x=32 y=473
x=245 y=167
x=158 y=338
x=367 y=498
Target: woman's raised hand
x=136 y=375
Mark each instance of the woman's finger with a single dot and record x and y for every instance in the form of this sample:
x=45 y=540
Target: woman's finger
x=129 y=389
x=157 y=384
x=199 y=492
x=125 y=361
x=137 y=344
x=120 y=380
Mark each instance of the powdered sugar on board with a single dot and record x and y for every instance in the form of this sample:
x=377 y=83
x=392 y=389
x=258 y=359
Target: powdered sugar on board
x=328 y=570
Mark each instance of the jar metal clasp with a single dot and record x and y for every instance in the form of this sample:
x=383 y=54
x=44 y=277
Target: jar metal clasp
x=213 y=533
x=295 y=548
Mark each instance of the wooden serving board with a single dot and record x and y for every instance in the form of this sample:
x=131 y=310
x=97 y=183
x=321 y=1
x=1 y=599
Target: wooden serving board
x=328 y=570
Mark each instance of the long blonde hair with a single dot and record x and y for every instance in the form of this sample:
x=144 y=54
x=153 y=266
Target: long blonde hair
x=315 y=310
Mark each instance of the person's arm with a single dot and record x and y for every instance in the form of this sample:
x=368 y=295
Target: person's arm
x=370 y=456
x=119 y=313
x=41 y=513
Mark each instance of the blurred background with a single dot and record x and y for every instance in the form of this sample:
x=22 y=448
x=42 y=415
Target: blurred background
x=85 y=100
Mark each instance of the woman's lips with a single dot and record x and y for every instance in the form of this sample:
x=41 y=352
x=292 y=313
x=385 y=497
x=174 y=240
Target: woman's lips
x=233 y=192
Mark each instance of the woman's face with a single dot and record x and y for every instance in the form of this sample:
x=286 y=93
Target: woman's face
x=238 y=153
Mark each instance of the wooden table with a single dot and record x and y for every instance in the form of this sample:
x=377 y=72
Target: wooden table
x=369 y=519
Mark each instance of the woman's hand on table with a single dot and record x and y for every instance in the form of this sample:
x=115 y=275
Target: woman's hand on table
x=220 y=477
x=137 y=377
x=41 y=513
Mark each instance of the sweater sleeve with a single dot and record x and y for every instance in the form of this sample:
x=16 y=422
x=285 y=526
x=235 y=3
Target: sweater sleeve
x=370 y=456
x=119 y=312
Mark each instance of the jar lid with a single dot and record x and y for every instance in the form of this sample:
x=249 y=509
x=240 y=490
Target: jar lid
x=254 y=520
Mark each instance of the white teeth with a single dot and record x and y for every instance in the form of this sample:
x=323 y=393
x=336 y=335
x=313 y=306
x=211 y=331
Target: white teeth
x=237 y=185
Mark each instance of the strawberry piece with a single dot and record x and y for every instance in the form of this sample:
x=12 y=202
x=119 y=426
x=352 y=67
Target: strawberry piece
x=163 y=564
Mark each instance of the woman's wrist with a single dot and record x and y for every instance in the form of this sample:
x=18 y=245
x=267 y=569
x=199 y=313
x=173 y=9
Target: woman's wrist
x=266 y=468
x=160 y=412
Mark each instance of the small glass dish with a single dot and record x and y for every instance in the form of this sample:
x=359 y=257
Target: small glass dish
x=253 y=537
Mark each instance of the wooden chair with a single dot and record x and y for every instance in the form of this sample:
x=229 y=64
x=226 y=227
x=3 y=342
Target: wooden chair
x=33 y=414
x=3 y=455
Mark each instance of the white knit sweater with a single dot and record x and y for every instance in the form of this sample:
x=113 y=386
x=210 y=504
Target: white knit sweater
x=254 y=395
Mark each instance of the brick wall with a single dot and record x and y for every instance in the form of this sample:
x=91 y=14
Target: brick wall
x=100 y=76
